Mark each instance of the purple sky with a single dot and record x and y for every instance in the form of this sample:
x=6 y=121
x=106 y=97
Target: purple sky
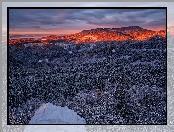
x=57 y=21
x=60 y=22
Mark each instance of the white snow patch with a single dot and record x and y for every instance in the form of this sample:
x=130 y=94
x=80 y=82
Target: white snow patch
x=46 y=60
x=40 y=60
x=113 y=51
x=51 y=114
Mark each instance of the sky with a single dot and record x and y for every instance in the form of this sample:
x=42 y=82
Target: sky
x=67 y=21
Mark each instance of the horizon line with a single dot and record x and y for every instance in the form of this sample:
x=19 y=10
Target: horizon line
x=43 y=33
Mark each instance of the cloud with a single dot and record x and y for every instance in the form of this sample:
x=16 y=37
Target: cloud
x=145 y=18
x=79 y=19
x=36 y=27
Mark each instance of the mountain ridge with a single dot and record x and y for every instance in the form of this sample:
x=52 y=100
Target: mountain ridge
x=98 y=35
x=114 y=34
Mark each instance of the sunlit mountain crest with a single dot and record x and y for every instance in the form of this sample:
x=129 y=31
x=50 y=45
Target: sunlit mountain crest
x=114 y=34
x=99 y=35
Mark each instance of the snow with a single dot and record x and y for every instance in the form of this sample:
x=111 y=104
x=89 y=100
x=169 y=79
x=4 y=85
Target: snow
x=46 y=60
x=70 y=52
x=113 y=50
x=40 y=61
x=51 y=114
x=101 y=70
x=152 y=63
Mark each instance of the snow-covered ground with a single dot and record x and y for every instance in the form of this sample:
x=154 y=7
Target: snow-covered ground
x=125 y=78
x=51 y=114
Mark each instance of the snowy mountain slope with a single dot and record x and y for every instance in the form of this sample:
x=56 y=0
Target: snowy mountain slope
x=72 y=80
x=51 y=114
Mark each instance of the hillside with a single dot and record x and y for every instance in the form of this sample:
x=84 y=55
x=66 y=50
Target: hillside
x=114 y=34
x=109 y=82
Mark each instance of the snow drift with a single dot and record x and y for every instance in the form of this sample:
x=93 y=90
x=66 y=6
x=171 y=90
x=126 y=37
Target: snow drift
x=51 y=114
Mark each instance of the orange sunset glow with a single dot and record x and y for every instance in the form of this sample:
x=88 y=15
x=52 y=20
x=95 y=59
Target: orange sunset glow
x=104 y=34
x=45 y=32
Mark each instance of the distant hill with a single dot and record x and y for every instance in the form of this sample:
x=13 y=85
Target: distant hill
x=99 y=35
x=114 y=34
